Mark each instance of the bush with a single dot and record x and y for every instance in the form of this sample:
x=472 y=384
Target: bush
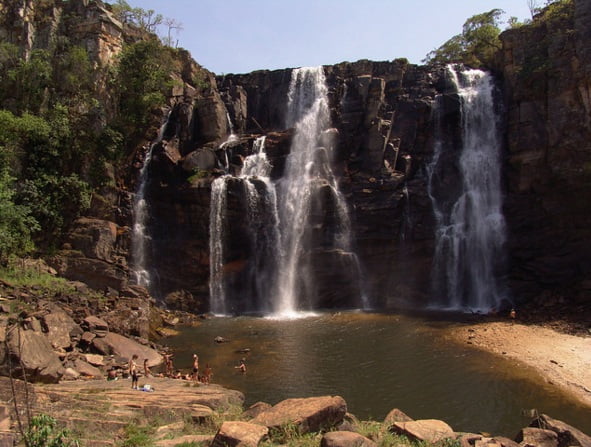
x=43 y=432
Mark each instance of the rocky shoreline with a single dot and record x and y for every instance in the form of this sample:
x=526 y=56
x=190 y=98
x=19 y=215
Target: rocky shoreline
x=66 y=343
x=210 y=415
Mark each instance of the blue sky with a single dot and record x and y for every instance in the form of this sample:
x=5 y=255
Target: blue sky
x=239 y=36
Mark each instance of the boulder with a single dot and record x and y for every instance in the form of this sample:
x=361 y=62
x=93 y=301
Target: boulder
x=33 y=351
x=95 y=325
x=350 y=423
x=236 y=433
x=70 y=374
x=308 y=414
x=87 y=370
x=185 y=440
x=396 y=415
x=202 y=159
x=118 y=345
x=428 y=430
x=59 y=325
x=255 y=409
x=94 y=237
x=345 y=439
x=98 y=274
x=95 y=359
x=537 y=437
x=567 y=435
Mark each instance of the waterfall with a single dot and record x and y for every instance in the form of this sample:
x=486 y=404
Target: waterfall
x=217 y=216
x=307 y=169
x=262 y=222
x=140 y=238
x=470 y=231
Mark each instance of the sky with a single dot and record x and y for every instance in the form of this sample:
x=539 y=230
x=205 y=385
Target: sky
x=240 y=36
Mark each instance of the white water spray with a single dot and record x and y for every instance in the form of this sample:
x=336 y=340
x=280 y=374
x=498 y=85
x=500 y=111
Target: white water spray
x=217 y=215
x=307 y=168
x=470 y=235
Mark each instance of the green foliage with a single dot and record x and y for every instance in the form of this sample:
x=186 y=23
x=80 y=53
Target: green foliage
x=146 y=19
x=55 y=202
x=137 y=436
x=475 y=46
x=16 y=223
x=144 y=79
x=43 y=432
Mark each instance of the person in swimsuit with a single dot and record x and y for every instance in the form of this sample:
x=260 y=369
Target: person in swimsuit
x=195 y=367
x=133 y=371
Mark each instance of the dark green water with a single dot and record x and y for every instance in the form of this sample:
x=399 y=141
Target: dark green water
x=376 y=363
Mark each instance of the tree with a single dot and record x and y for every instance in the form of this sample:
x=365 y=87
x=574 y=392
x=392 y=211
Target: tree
x=171 y=24
x=16 y=223
x=475 y=46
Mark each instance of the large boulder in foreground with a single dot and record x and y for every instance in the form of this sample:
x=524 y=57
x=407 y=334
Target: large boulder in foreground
x=309 y=414
x=120 y=346
x=538 y=437
x=32 y=351
x=428 y=430
x=236 y=433
x=567 y=435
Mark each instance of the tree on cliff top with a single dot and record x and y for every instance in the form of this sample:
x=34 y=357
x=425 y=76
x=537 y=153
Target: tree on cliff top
x=475 y=46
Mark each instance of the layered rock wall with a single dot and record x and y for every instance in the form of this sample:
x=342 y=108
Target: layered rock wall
x=546 y=69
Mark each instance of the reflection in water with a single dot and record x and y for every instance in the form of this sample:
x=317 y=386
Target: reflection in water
x=376 y=362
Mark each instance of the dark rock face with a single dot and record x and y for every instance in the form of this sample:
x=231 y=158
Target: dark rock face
x=382 y=113
x=547 y=72
x=384 y=128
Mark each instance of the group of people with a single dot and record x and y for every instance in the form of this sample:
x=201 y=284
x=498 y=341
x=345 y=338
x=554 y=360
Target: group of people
x=205 y=377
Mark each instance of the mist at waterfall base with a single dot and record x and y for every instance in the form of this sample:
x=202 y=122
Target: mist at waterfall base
x=376 y=363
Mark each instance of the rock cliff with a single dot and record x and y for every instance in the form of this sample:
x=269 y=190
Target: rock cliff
x=546 y=68
x=384 y=123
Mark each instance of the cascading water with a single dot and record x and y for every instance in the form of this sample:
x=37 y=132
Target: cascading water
x=140 y=238
x=307 y=170
x=263 y=220
x=470 y=230
x=217 y=216
x=261 y=214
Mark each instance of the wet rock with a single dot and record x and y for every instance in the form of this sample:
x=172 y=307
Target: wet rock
x=243 y=434
x=429 y=430
x=308 y=414
x=345 y=439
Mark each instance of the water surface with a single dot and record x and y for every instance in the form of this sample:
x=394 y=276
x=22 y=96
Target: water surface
x=376 y=363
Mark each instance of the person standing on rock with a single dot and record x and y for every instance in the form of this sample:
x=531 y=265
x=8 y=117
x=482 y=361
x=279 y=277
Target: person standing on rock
x=195 y=367
x=133 y=371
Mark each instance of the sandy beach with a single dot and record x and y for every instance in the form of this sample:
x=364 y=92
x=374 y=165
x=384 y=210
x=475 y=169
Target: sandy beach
x=563 y=360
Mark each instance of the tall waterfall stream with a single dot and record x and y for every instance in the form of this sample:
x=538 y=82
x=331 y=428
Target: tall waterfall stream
x=471 y=232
